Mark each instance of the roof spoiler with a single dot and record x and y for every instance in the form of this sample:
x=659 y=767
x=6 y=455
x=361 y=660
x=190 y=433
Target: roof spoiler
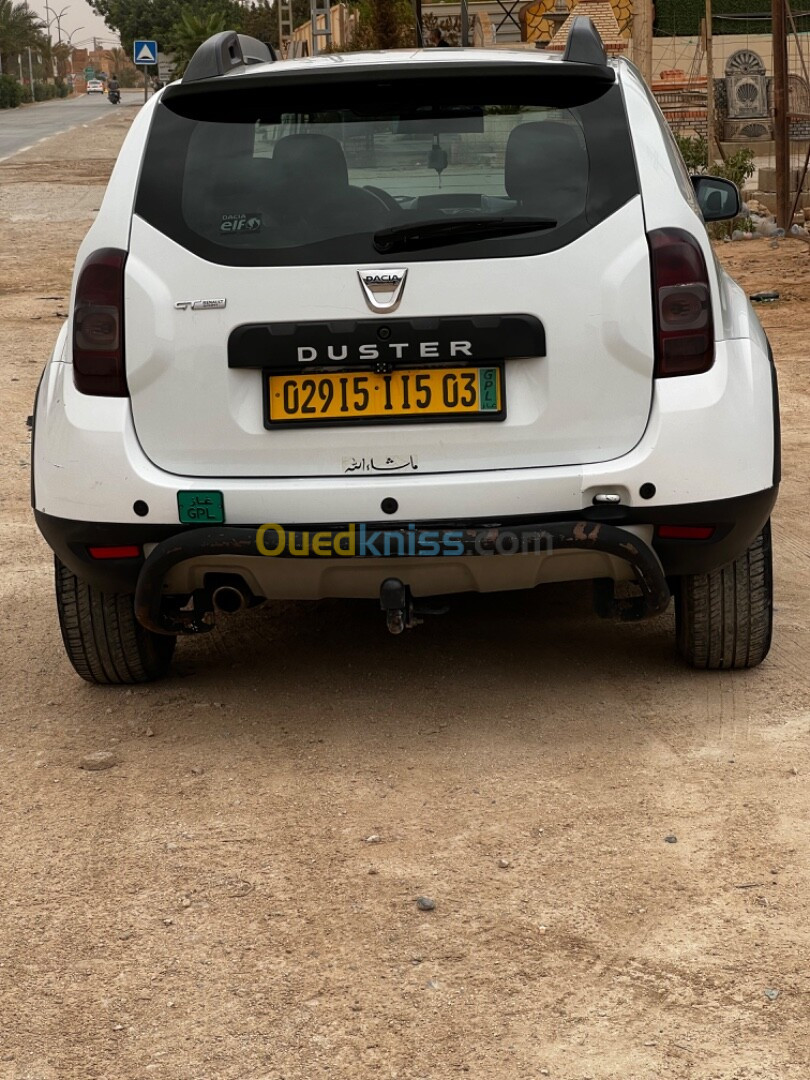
x=224 y=53
x=584 y=45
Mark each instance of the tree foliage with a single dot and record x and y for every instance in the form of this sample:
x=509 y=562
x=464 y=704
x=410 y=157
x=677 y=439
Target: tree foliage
x=191 y=32
x=19 y=28
x=161 y=20
x=176 y=24
x=384 y=24
x=260 y=19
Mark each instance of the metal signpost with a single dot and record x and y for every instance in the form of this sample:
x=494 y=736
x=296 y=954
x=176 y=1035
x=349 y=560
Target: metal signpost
x=145 y=54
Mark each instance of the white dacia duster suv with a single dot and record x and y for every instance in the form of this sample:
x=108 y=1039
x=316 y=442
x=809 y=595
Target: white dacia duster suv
x=400 y=325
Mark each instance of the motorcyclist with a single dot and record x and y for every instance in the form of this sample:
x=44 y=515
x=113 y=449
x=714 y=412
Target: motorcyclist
x=113 y=89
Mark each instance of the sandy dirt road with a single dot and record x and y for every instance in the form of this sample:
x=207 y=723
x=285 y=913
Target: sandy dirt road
x=212 y=908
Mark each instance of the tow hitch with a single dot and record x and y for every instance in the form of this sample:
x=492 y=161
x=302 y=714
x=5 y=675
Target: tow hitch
x=400 y=611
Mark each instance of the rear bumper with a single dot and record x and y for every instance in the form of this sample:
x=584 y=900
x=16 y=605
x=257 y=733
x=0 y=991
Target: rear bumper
x=736 y=522
x=242 y=543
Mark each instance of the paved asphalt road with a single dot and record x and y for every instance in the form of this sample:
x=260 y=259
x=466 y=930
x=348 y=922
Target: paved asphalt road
x=21 y=128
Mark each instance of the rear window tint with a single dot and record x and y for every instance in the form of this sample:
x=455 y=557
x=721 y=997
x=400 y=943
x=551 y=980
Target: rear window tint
x=277 y=175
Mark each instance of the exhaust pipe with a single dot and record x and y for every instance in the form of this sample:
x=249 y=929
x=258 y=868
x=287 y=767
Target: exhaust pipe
x=228 y=599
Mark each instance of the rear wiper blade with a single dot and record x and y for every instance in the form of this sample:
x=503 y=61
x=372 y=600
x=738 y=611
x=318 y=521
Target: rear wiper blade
x=423 y=234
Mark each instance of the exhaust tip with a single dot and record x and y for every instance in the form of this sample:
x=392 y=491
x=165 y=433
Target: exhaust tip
x=228 y=599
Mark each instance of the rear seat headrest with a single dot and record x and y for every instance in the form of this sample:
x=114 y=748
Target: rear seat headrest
x=311 y=161
x=547 y=165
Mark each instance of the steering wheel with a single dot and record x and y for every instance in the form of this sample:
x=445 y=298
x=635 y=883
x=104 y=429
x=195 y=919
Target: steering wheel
x=388 y=201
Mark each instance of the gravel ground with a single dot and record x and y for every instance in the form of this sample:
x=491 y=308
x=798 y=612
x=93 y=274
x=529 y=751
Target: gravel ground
x=615 y=847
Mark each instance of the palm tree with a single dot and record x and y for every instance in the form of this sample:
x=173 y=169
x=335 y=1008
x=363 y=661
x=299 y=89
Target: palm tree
x=19 y=28
x=46 y=48
x=191 y=32
x=61 y=54
x=117 y=58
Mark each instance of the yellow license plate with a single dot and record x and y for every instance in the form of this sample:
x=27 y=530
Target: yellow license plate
x=406 y=394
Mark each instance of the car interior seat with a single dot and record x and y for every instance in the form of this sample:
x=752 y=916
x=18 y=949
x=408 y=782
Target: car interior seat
x=314 y=189
x=546 y=170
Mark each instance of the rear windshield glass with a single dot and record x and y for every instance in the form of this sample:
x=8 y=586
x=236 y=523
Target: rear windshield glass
x=334 y=172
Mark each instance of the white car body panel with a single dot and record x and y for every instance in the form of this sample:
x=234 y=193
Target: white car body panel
x=588 y=399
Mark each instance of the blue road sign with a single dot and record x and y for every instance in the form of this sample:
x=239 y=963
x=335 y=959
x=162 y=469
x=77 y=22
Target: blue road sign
x=145 y=52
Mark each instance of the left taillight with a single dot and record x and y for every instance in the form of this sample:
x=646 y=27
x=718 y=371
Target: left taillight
x=98 y=325
x=684 y=330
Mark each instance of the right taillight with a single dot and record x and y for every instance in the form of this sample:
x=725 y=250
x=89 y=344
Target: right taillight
x=98 y=325
x=684 y=331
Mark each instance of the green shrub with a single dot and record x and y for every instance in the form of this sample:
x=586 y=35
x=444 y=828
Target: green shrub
x=44 y=91
x=738 y=167
x=694 y=151
x=11 y=93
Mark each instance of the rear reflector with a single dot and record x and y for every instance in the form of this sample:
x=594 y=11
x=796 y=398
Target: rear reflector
x=685 y=532
x=98 y=325
x=121 y=551
x=684 y=332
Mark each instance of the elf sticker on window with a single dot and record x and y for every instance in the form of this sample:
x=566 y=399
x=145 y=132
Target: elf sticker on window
x=240 y=223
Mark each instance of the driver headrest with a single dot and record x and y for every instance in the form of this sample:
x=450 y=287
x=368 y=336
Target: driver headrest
x=547 y=165
x=311 y=161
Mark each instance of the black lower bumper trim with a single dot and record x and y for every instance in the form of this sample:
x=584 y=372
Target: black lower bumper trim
x=737 y=522
x=549 y=536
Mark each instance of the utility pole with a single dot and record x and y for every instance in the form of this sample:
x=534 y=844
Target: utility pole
x=465 y=24
x=803 y=171
x=711 y=137
x=285 y=27
x=321 y=10
x=642 y=38
x=780 y=113
x=417 y=15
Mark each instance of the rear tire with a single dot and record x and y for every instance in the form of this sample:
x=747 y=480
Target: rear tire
x=104 y=641
x=724 y=618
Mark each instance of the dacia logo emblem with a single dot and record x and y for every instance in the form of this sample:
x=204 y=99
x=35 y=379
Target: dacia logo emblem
x=383 y=287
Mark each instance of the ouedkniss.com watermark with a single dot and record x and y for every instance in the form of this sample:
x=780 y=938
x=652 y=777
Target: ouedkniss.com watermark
x=369 y=541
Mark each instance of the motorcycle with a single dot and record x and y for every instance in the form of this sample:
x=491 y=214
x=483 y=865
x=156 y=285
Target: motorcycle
x=114 y=96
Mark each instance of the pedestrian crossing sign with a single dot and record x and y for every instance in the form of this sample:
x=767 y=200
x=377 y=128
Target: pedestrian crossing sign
x=145 y=52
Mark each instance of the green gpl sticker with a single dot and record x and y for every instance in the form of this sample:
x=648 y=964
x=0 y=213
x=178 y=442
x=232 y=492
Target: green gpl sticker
x=488 y=390
x=201 y=507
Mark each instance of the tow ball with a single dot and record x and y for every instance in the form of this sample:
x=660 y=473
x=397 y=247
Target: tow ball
x=400 y=611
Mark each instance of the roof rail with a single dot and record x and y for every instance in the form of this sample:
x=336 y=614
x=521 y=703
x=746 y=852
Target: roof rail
x=224 y=53
x=584 y=45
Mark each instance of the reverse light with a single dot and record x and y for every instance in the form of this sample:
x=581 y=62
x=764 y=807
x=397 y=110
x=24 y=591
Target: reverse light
x=685 y=532
x=684 y=330
x=98 y=325
x=119 y=551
